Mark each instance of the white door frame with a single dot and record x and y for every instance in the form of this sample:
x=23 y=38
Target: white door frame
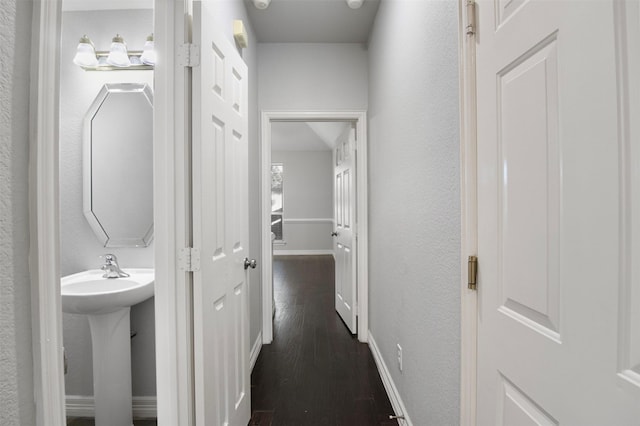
x=172 y=215
x=360 y=118
x=44 y=226
x=469 y=219
x=171 y=167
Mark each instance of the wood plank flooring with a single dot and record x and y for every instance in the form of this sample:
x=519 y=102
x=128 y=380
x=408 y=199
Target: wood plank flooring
x=315 y=372
x=87 y=421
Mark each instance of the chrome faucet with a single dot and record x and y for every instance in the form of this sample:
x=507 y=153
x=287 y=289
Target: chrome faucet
x=111 y=268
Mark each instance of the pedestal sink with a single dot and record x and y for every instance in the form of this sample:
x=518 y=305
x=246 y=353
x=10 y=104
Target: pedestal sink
x=107 y=302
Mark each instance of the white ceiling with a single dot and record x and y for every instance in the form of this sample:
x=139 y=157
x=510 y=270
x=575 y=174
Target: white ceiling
x=284 y=21
x=312 y=21
x=305 y=136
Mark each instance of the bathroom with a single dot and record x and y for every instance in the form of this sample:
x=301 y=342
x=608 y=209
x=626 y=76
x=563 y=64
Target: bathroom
x=81 y=244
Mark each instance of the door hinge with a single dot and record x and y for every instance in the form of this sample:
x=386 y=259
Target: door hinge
x=470 y=28
x=473 y=272
x=189 y=55
x=189 y=259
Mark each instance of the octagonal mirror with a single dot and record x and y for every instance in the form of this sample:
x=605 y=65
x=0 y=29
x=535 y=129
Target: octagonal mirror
x=118 y=165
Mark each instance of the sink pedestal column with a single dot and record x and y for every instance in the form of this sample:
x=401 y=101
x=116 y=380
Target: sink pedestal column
x=111 y=344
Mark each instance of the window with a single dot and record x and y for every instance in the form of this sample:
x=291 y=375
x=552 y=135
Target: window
x=277 y=170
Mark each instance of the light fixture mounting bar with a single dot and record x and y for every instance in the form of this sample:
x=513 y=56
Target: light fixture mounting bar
x=107 y=67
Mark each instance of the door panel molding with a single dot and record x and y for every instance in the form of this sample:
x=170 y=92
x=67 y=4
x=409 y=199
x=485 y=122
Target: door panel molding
x=627 y=31
x=220 y=226
x=360 y=118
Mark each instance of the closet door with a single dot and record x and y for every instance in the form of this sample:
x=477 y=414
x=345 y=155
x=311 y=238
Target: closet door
x=557 y=194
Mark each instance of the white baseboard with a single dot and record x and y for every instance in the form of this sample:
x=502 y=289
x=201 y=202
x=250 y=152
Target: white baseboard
x=389 y=385
x=255 y=351
x=144 y=407
x=303 y=221
x=302 y=252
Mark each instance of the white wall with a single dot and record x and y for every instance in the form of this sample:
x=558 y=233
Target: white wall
x=414 y=212
x=17 y=405
x=301 y=76
x=308 y=194
x=80 y=248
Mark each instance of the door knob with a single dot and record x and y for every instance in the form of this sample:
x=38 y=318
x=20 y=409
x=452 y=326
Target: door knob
x=334 y=234
x=250 y=263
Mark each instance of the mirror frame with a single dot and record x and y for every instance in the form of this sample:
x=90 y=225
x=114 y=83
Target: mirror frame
x=93 y=220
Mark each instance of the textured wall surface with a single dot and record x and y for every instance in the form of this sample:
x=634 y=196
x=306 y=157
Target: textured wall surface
x=300 y=76
x=17 y=406
x=308 y=194
x=80 y=248
x=414 y=212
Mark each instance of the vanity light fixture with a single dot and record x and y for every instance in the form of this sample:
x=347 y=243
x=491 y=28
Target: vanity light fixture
x=85 y=53
x=148 y=56
x=118 y=55
x=118 y=58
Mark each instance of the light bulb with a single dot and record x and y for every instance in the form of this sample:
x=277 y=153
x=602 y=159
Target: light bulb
x=148 y=54
x=85 y=53
x=118 y=56
x=261 y=4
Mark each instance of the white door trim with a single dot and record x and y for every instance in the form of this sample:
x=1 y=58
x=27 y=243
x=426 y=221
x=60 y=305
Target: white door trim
x=172 y=198
x=360 y=118
x=469 y=220
x=172 y=301
x=44 y=226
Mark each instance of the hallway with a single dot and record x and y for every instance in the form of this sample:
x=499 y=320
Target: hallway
x=314 y=372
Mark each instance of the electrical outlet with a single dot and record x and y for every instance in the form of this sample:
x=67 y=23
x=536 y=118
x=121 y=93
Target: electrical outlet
x=399 y=354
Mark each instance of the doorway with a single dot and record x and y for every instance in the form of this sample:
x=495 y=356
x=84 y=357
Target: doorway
x=47 y=263
x=301 y=187
x=269 y=118
x=106 y=203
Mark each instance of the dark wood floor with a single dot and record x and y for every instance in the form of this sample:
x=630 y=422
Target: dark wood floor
x=86 y=421
x=315 y=372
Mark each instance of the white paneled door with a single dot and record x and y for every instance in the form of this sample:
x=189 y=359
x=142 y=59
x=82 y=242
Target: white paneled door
x=345 y=232
x=558 y=212
x=220 y=227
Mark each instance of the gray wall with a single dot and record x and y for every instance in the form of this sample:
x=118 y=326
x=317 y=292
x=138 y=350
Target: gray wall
x=308 y=194
x=301 y=76
x=414 y=211
x=80 y=248
x=17 y=406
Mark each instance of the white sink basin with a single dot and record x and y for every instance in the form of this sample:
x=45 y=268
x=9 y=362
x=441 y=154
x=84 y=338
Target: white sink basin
x=90 y=294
